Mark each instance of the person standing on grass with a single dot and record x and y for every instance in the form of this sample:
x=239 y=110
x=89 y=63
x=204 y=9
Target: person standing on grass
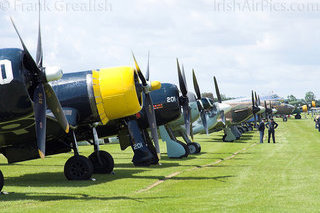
x=271 y=125
x=261 y=130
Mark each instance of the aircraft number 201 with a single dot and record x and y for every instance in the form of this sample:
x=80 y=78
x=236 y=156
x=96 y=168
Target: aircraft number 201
x=6 y=74
x=171 y=99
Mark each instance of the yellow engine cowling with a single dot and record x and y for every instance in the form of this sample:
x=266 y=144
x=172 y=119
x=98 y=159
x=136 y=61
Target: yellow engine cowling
x=305 y=108
x=115 y=93
x=313 y=104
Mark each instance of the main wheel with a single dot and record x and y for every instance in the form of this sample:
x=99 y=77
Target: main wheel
x=298 y=116
x=78 y=168
x=285 y=119
x=192 y=148
x=107 y=164
x=198 y=146
x=1 y=181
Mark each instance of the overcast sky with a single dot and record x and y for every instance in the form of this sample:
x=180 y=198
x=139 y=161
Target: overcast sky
x=264 y=45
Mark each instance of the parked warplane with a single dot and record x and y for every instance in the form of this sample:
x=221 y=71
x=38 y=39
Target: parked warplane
x=240 y=112
x=167 y=105
x=28 y=130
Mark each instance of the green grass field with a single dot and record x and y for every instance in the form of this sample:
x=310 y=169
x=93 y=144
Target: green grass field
x=243 y=176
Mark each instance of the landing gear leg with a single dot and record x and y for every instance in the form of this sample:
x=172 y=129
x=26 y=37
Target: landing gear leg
x=235 y=132
x=1 y=181
x=102 y=161
x=194 y=147
x=228 y=135
x=77 y=167
x=175 y=148
x=142 y=154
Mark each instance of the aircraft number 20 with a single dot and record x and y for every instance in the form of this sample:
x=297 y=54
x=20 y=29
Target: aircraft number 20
x=6 y=74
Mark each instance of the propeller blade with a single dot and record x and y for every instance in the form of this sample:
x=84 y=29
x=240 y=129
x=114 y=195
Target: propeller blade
x=252 y=98
x=191 y=129
x=147 y=73
x=259 y=100
x=40 y=118
x=196 y=86
x=39 y=57
x=182 y=84
x=266 y=111
x=253 y=111
x=186 y=116
x=184 y=78
x=217 y=90
x=152 y=122
x=223 y=118
x=204 y=121
x=256 y=101
x=29 y=62
x=143 y=80
x=55 y=107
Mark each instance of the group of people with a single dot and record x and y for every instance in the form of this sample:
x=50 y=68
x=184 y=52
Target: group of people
x=271 y=125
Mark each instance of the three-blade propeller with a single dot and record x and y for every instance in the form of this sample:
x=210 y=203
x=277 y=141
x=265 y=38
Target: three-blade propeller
x=43 y=94
x=199 y=103
x=184 y=100
x=149 y=105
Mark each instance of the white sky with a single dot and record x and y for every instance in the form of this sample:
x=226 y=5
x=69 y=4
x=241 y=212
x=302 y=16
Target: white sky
x=271 y=46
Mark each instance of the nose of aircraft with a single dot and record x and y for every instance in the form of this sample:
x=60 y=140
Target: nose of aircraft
x=225 y=107
x=262 y=109
x=290 y=108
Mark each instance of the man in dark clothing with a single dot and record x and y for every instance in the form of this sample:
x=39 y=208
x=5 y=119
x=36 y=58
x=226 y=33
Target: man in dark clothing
x=261 y=130
x=271 y=125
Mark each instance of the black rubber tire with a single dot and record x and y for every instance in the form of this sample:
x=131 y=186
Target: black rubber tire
x=1 y=181
x=285 y=119
x=192 y=148
x=198 y=146
x=298 y=116
x=107 y=161
x=78 y=168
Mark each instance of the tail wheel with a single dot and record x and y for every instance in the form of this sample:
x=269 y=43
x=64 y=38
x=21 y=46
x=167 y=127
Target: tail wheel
x=1 y=181
x=105 y=166
x=78 y=167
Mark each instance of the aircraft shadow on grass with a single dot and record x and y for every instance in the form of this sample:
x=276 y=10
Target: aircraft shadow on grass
x=57 y=179
x=69 y=196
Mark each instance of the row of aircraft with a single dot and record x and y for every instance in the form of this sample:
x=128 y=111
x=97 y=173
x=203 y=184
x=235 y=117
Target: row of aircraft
x=44 y=112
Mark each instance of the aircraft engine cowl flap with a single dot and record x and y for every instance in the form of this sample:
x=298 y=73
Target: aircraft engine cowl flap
x=53 y=73
x=115 y=92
